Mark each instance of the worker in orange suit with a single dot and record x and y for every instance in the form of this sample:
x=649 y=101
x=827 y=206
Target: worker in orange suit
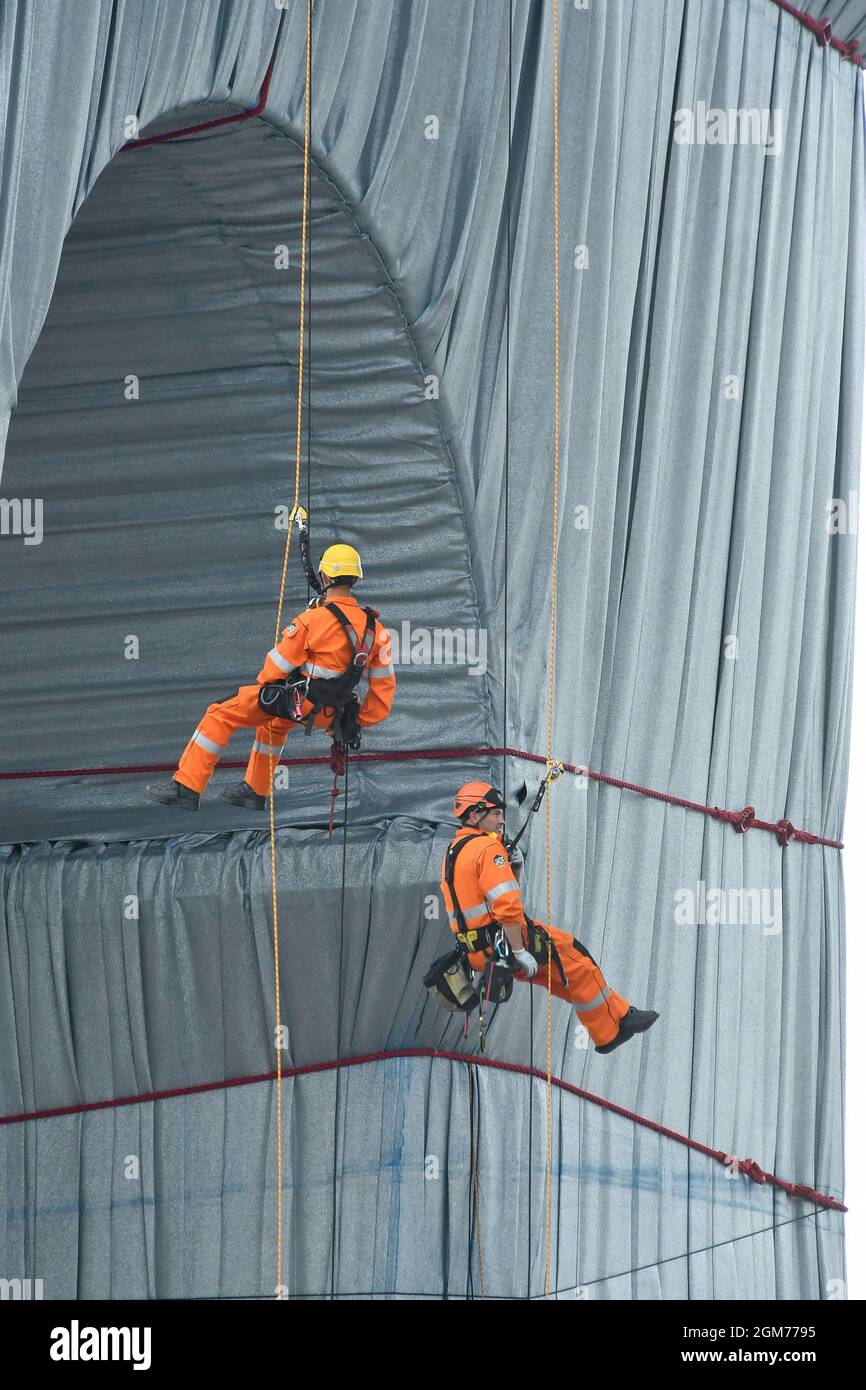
x=307 y=679
x=483 y=899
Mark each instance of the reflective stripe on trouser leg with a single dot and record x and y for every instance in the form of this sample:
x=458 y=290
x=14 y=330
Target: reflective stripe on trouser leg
x=211 y=738
x=596 y=1005
x=265 y=753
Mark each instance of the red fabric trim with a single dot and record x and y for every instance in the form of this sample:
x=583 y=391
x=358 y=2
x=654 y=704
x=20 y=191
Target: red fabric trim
x=747 y=1165
x=823 y=32
x=209 y=125
x=742 y=821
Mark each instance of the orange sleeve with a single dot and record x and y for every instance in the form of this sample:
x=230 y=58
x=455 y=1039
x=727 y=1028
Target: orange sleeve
x=498 y=884
x=290 y=651
x=380 y=673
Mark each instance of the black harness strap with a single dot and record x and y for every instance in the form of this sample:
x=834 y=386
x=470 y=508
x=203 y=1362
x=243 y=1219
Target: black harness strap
x=451 y=854
x=469 y=939
x=362 y=647
x=284 y=699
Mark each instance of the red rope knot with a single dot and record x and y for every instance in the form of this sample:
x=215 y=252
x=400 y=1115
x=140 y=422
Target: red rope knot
x=740 y=820
x=823 y=32
x=338 y=767
x=338 y=759
x=850 y=48
x=752 y=1170
x=785 y=831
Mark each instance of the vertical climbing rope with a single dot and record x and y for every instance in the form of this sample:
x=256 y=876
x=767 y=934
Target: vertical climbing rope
x=552 y=649
x=297 y=494
x=505 y=566
x=286 y=552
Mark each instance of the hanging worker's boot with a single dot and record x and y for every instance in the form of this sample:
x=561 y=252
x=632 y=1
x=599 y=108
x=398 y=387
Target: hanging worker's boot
x=635 y=1021
x=174 y=793
x=243 y=795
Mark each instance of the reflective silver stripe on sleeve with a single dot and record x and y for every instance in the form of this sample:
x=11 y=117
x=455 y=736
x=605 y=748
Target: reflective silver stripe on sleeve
x=469 y=916
x=208 y=743
x=593 y=1003
x=380 y=670
x=479 y=911
x=498 y=889
x=279 y=660
x=324 y=672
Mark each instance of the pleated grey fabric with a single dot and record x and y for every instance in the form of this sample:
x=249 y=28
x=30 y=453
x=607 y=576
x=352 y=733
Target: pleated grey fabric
x=177 y=1198
x=711 y=301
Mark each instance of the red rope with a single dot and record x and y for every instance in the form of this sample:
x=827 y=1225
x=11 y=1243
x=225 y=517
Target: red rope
x=742 y=821
x=746 y=1165
x=209 y=125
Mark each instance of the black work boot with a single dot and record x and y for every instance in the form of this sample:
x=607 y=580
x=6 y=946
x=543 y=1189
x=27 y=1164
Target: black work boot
x=174 y=793
x=243 y=795
x=635 y=1021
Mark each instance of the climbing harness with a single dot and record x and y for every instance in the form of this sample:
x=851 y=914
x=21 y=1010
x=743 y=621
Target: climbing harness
x=332 y=692
x=449 y=979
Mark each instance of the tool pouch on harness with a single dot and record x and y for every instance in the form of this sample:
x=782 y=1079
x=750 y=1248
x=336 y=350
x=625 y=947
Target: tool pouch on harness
x=449 y=980
x=284 y=699
x=498 y=982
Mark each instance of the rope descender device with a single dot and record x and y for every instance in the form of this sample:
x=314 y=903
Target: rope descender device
x=553 y=770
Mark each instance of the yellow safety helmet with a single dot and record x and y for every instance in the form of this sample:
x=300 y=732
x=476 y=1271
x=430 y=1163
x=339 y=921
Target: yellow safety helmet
x=340 y=560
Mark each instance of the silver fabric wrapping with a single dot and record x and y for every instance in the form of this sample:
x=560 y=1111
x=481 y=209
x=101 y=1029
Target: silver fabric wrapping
x=707 y=521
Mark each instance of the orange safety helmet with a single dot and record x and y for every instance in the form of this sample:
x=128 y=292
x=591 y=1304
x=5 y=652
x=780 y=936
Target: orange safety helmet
x=475 y=796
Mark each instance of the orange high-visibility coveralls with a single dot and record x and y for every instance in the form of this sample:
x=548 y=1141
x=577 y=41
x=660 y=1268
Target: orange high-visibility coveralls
x=315 y=642
x=489 y=893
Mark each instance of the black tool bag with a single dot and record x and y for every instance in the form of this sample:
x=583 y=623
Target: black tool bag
x=449 y=980
x=347 y=730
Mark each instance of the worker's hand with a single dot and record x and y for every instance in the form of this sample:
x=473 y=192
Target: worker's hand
x=527 y=963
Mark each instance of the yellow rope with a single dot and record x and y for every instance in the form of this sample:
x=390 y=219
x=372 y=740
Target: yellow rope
x=286 y=551
x=552 y=652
